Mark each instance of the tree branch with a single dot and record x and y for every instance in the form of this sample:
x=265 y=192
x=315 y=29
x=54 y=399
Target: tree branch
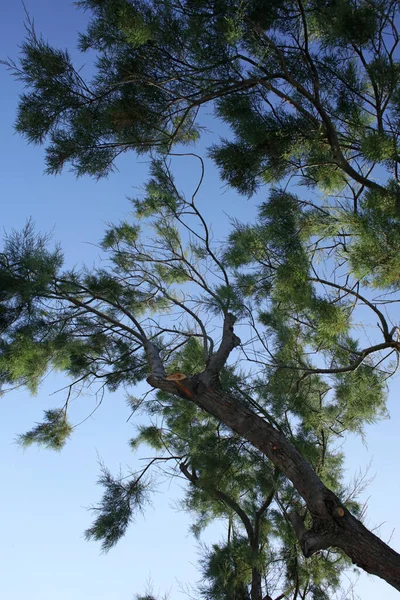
x=309 y=540
x=333 y=525
x=220 y=495
x=218 y=360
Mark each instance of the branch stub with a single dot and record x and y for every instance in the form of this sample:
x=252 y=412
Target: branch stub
x=176 y=377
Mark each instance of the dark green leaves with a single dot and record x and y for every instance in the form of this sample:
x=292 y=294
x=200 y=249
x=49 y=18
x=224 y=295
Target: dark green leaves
x=226 y=569
x=263 y=145
x=375 y=252
x=157 y=64
x=346 y=22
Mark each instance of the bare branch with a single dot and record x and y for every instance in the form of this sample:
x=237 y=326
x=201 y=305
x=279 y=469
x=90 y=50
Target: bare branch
x=218 y=360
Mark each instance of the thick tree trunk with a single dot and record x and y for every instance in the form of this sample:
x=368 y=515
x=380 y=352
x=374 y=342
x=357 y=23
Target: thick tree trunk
x=256 y=585
x=333 y=525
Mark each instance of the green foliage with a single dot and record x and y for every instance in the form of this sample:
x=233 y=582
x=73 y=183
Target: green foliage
x=120 y=501
x=52 y=433
x=262 y=142
x=227 y=568
x=247 y=245
x=25 y=360
x=322 y=171
x=124 y=232
x=160 y=192
x=361 y=396
x=339 y=21
x=150 y=435
x=309 y=93
x=378 y=147
x=190 y=360
x=227 y=478
x=275 y=243
x=156 y=64
x=374 y=254
x=331 y=321
x=33 y=265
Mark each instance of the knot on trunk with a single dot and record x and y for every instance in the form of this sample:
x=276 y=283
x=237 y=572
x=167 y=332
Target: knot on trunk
x=310 y=540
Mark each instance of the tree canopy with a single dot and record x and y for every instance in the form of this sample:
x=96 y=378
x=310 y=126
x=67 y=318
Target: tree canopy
x=250 y=344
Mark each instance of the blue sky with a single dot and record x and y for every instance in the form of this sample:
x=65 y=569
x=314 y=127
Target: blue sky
x=45 y=495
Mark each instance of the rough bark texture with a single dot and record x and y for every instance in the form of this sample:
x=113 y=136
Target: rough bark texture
x=333 y=525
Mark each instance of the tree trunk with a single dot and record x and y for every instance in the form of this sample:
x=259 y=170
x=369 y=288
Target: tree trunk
x=256 y=588
x=333 y=525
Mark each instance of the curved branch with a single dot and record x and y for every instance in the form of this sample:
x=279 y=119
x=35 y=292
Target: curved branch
x=223 y=497
x=385 y=329
x=331 y=526
x=353 y=366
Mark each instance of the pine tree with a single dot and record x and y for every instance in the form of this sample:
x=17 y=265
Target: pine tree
x=310 y=90
x=298 y=382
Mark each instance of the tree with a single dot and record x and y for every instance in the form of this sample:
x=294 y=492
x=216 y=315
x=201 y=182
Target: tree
x=309 y=90
x=228 y=477
x=99 y=326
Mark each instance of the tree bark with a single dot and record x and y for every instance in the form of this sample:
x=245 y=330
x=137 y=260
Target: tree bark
x=333 y=525
x=256 y=585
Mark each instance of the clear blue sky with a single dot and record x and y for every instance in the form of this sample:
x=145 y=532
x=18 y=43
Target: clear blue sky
x=44 y=495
